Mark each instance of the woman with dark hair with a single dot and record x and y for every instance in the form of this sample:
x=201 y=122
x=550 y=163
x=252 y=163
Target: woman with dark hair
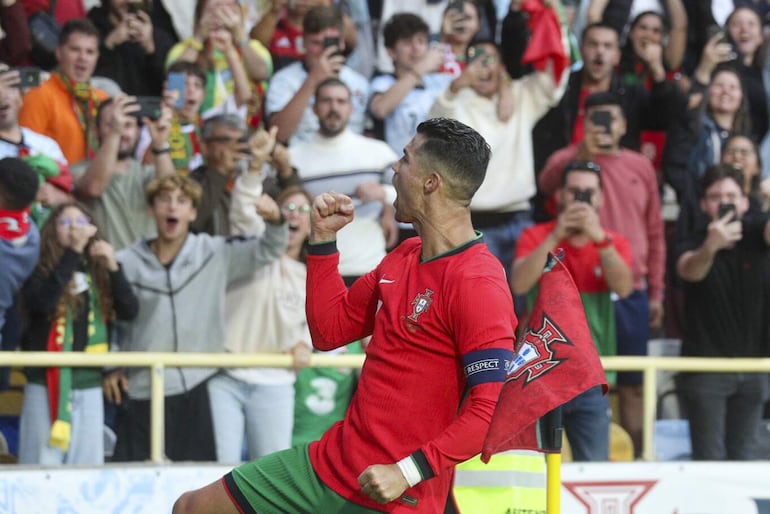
x=264 y=313
x=744 y=32
x=71 y=297
x=236 y=66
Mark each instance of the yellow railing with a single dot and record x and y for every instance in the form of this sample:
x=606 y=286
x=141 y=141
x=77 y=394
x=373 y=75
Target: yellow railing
x=157 y=362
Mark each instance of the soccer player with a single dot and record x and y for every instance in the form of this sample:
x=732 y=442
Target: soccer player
x=441 y=317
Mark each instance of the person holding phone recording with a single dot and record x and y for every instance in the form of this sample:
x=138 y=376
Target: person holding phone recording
x=631 y=207
x=599 y=261
x=724 y=266
x=74 y=294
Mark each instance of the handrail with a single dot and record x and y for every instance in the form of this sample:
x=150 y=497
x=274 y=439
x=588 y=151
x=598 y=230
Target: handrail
x=157 y=362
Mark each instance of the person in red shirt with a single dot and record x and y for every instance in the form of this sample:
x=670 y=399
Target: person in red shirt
x=441 y=317
x=599 y=261
x=632 y=208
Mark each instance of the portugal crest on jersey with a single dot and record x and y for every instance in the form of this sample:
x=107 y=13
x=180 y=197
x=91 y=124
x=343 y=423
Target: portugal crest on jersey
x=420 y=304
x=535 y=356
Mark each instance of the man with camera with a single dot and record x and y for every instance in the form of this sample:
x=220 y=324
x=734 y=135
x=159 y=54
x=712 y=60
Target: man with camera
x=112 y=183
x=724 y=266
x=631 y=207
x=290 y=97
x=599 y=261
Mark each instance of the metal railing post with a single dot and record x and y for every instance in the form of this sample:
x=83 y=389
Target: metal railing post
x=649 y=411
x=157 y=413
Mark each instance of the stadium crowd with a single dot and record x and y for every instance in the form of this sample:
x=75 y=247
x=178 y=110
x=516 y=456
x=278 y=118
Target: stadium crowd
x=175 y=147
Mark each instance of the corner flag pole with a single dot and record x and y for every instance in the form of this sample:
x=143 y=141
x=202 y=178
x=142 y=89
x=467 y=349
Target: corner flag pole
x=551 y=430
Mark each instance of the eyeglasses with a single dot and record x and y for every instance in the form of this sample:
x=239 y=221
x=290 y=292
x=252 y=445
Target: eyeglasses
x=80 y=221
x=227 y=139
x=292 y=207
x=583 y=165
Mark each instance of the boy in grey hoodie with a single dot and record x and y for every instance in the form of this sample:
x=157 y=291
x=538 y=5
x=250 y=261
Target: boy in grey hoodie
x=180 y=280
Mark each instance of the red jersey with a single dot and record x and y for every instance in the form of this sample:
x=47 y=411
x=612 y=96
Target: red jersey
x=287 y=44
x=442 y=331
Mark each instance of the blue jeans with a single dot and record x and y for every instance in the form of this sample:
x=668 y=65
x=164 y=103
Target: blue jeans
x=724 y=410
x=586 y=420
x=262 y=415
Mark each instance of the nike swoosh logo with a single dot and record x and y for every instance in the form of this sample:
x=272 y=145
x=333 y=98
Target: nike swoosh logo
x=386 y=281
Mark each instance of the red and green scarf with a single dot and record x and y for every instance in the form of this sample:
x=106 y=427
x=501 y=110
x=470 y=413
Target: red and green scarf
x=59 y=380
x=85 y=104
x=184 y=140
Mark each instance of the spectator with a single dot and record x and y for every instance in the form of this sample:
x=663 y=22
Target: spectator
x=113 y=183
x=501 y=208
x=744 y=32
x=64 y=106
x=42 y=152
x=19 y=239
x=632 y=208
x=432 y=12
x=280 y=30
x=184 y=137
x=458 y=30
x=338 y=159
x=402 y=100
x=742 y=153
x=599 y=261
x=264 y=313
x=77 y=290
x=179 y=279
x=600 y=52
x=234 y=63
x=651 y=32
x=695 y=142
x=15 y=42
x=132 y=51
x=724 y=266
x=290 y=96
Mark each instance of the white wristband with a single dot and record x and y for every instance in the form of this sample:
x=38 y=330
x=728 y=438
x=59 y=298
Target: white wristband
x=410 y=471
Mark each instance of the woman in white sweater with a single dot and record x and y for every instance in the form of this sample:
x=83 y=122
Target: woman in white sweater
x=264 y=313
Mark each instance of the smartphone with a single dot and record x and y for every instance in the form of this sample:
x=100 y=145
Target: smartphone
x=135 y=7
x=177 y=81
x=333 y=41
x=602 y=119
x=583 y=195
x=149 y=107
x=725 y=208
x=28 y=77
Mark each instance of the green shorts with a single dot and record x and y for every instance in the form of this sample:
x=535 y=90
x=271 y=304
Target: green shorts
x=282 y=483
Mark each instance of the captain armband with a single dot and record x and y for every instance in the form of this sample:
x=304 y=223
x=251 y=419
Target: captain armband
x=483 y=366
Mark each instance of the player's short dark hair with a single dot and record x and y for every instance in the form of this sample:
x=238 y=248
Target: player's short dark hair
x=459 y=152
x=18 y=184
x=188 y=68
x=322 y=17
x=403 y=25
x=719 y=172
x=77 y=26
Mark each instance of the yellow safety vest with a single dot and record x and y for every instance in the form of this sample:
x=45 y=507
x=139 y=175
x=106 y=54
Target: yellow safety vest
x=512 y=483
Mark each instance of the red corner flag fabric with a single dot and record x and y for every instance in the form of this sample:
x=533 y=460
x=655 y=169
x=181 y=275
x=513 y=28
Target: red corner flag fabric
x=555 y=361
x=546 y=39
